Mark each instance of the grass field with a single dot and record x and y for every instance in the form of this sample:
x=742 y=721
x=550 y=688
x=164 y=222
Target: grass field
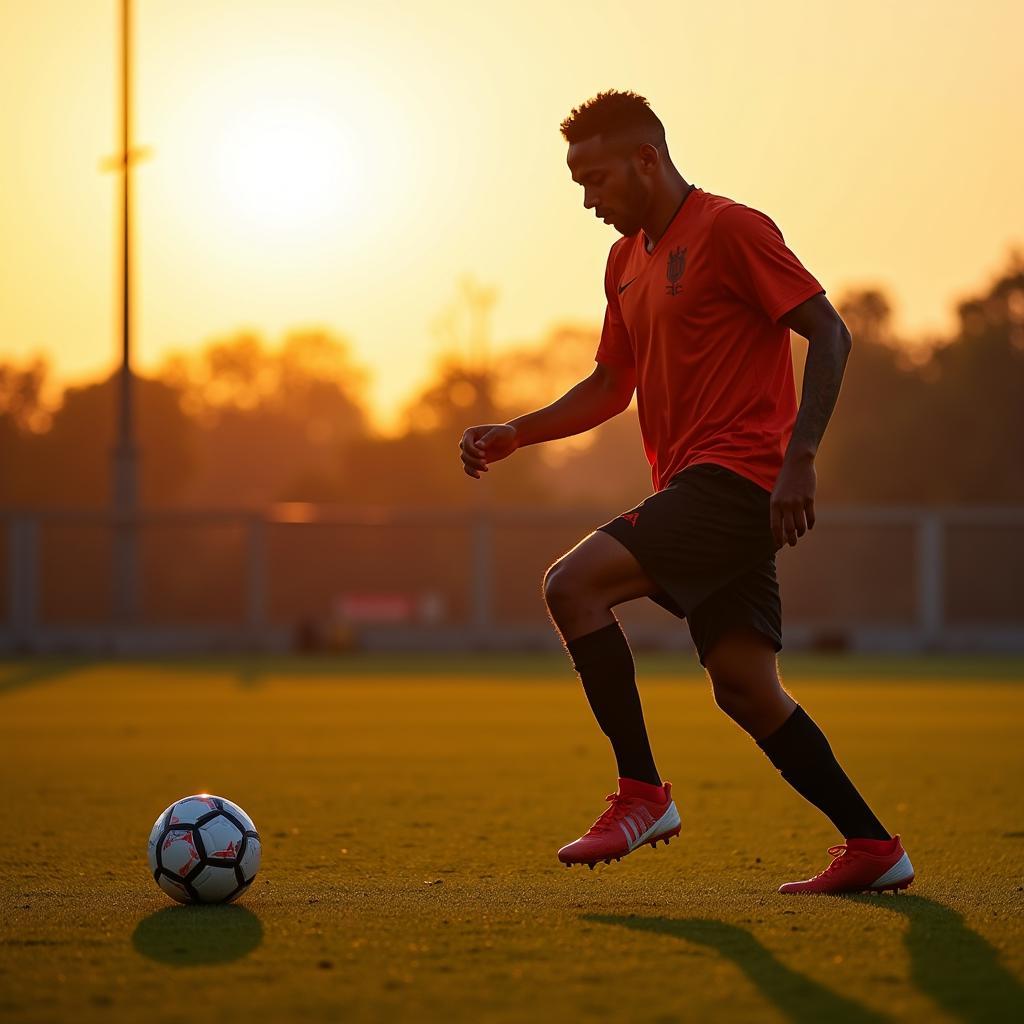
x=410 y=810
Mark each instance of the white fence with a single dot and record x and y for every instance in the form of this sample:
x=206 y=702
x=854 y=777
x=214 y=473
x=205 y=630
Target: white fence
x=313 y=576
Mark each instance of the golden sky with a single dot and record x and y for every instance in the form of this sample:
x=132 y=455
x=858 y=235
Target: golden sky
x=320 y=162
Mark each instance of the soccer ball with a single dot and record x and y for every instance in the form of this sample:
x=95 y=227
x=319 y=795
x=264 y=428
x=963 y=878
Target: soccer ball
x=204 y=849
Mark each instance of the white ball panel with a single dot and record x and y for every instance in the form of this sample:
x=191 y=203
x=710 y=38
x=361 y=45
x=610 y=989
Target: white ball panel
x=173 y=889
x=215 y=884
x=192 y=808
x=154 y=832
x=178 y=852
x=221 y=839
x=154 y=841
x=239 y=814
x=250 y=862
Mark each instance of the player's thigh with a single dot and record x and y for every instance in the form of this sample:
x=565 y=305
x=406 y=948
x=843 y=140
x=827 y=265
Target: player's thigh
x=598 y=566
x=737 y=630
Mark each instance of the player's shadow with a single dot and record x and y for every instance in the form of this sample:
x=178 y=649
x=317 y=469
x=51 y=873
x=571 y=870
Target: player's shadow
x=795 y=996
x=952 y=964
x=188 y=936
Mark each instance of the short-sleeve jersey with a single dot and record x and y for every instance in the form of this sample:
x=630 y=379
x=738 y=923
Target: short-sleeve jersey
x=697 y=318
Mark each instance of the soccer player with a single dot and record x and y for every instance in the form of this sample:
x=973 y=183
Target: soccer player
x=701 y=295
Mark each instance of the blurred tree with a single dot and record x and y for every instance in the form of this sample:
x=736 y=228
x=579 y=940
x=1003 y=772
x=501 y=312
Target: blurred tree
x=458 y=396
x=604 y=467
x=948 y=427
x=973 y=423
x=519 y=379
x=69 y=465
x=609 y=471
x=866 y=453
x=269 y=417
x=421 y=466
x=22 y=401
x=24 y=412
x=532 y=374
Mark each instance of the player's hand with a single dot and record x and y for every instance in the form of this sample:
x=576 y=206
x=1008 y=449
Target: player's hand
x=792 y=507
x=488 y=443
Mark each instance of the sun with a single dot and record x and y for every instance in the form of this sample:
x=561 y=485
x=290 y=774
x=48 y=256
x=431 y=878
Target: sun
x=284 y=166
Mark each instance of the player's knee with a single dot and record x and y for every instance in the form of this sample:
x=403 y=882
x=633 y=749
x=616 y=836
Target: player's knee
x=733 y=698
x=562 y=587
x=750 y=699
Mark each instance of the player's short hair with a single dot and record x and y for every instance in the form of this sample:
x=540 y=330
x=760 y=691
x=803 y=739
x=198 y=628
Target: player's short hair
x=621 y=115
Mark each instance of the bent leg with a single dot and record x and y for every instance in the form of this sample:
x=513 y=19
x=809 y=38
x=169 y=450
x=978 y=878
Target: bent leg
x=743 y=673
x=583 y=586
x=581 y=589
x=747 y=688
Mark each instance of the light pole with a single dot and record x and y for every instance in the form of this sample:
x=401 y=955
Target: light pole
x=125 y=453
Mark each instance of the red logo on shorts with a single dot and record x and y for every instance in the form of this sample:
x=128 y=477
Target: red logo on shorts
x=631 y=517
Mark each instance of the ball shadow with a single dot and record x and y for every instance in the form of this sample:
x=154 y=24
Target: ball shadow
x=189 y=936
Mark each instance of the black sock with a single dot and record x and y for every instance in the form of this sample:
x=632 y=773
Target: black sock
x=799 y=749
x=605 y=666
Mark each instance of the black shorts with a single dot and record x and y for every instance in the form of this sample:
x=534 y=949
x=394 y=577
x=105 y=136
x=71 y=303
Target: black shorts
x=706 y=541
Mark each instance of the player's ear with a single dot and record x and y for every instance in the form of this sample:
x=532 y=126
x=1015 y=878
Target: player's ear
x=651 y=153
x=648 y=157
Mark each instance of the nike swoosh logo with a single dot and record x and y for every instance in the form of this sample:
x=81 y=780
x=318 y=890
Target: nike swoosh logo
x=623 y=287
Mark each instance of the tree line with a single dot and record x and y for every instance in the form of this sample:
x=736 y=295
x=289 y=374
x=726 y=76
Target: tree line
x=244 y=423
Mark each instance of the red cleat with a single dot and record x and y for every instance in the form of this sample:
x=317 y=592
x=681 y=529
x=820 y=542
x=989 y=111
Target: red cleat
x=628 y=823
x=860 y=867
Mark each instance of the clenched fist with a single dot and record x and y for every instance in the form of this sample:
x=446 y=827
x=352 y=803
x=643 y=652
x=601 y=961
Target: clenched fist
x=488 y=443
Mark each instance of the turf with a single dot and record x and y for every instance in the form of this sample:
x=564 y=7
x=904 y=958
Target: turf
x=410 y=811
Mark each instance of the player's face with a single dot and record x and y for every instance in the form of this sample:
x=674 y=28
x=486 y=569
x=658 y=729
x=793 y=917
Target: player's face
x=612 y=186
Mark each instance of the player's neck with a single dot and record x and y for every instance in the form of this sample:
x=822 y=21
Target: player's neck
x=664 y=209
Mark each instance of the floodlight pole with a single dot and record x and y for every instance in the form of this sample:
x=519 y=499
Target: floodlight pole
x=125 y=455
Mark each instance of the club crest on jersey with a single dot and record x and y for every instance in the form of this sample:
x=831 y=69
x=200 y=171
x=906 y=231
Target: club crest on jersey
x=674 y=270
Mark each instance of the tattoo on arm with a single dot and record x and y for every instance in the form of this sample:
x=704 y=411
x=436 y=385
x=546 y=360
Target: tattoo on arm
x=823 y=376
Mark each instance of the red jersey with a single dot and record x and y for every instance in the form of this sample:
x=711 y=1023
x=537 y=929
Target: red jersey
x=698 y=319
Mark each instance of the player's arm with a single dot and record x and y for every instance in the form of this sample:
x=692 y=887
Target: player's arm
x=599 y=397
x=829 y=343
